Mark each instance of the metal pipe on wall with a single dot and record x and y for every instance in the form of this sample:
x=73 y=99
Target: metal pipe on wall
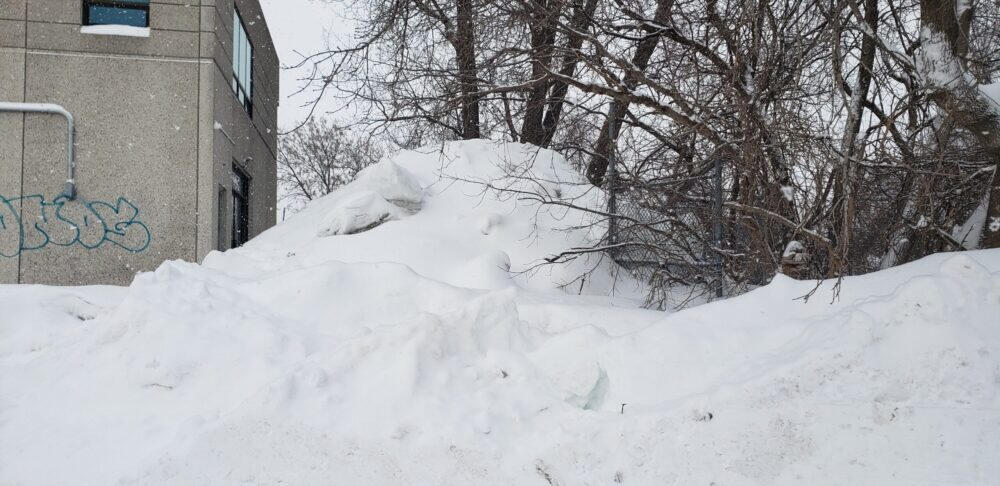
x=13 y=107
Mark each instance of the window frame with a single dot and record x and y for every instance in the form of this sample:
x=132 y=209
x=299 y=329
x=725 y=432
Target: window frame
x=125 y=5
x=238 y=88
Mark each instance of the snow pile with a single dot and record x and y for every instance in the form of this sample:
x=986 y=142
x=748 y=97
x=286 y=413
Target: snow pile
x=461 y=214
x=405 y=354
x=382 y=192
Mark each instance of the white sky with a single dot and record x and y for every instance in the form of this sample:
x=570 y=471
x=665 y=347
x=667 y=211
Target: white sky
x=299 y=28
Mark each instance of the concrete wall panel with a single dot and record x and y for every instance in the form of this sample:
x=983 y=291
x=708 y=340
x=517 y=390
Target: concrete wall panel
x=146 y=110
x=13 y=9
x=224 y=38
x=67 y=37
x=222 y=152
x=174 y=17
x=11 y=131
x=66 y=11
x=139 y=144
x=208 y=13
x=263 y=191
x=207 y=192
x=11 y=33
x=207 y=45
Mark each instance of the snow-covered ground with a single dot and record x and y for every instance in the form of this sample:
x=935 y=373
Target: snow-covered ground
x=325 y=353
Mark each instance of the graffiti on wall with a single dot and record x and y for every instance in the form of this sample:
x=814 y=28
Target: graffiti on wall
x=31 y=223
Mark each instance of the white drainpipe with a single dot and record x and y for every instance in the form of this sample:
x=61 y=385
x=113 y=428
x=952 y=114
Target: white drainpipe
x=70 y=190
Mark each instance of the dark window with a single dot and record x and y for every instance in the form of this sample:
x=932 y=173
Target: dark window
x=241 y=208
x=116 y=12
x=242 y=64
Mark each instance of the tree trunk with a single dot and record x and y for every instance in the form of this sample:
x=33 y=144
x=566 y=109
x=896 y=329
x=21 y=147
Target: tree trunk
x=543 y=35
x=848 y=178
x=468 y=75
x=945 y=43
x=608 y=138
x=582 y=16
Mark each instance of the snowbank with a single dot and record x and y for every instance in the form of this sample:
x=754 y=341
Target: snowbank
x=405 y=354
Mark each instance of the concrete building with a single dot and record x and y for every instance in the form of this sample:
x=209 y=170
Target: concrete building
x=175 y=106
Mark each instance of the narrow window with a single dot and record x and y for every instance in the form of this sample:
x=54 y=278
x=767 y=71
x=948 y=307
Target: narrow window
x=242 y=64
x=241 y=208
x=133 y=13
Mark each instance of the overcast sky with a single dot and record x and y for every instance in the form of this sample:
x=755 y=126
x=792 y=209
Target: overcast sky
x=301 y=27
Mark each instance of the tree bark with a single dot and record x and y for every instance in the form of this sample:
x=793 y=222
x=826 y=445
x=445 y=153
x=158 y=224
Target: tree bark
x=582 y=17
x=598 y=165
x=946 y=43
x=468 y=73
x=544 y=16
x=847 y=178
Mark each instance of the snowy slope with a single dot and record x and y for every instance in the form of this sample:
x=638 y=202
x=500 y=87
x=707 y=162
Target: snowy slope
x=405 y=354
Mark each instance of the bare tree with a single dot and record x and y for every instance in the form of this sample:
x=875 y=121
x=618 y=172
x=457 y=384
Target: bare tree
x=944 y=62
x=320 y=157
x=732 y=139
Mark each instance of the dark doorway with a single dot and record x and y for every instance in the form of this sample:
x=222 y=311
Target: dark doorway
x=241 y=208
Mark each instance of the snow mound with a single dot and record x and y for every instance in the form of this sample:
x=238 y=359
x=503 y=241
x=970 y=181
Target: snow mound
x=383 y=192
x=357 y=212
x=465 y=213
x=409 y=354
x=392 y=182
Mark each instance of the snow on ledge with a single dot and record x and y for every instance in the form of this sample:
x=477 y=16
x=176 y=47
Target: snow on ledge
x=123 y=30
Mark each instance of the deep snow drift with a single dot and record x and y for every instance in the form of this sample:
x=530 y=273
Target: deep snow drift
x=378 y=338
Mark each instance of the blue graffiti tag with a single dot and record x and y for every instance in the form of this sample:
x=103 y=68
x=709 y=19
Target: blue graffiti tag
x=61 y=222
